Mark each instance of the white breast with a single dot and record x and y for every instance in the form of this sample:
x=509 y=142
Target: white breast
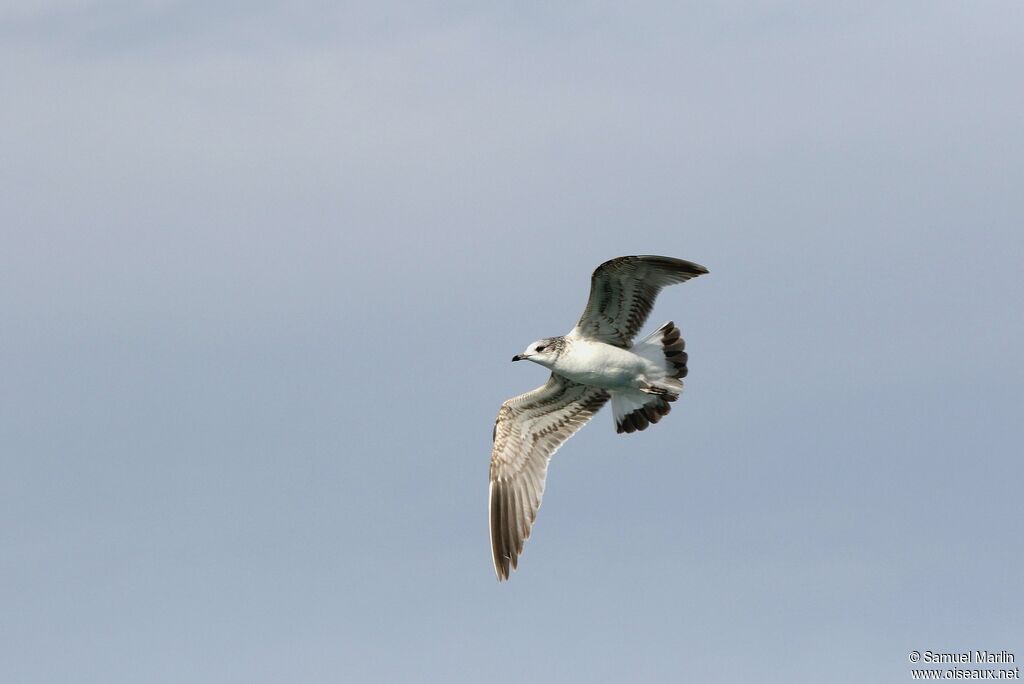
x=600 y=365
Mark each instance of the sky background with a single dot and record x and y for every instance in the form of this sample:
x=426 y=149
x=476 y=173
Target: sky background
x=263 y=266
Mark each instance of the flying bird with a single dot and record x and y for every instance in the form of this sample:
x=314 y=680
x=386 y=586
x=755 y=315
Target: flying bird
x=595 y=362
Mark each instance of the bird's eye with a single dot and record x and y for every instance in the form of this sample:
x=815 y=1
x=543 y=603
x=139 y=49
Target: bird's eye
x=540 y=348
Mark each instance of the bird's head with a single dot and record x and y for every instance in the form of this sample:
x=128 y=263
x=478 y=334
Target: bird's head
x=543 y=351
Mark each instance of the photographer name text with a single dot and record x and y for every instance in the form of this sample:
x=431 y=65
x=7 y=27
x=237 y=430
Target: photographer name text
x=965 y=657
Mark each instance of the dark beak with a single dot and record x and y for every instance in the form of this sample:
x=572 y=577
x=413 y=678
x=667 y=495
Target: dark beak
x=517 y=357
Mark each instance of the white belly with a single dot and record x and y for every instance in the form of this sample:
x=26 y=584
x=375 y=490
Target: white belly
x=600 y=365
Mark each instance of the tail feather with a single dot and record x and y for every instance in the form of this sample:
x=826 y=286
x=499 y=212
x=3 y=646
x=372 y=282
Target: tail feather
x=637 y=409
x=665 y=347
x=673 y=345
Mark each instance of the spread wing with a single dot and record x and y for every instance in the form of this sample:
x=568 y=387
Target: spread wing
x=622 y=293
x=529 y=429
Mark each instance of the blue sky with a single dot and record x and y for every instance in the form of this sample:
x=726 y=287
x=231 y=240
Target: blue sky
x=264 y=265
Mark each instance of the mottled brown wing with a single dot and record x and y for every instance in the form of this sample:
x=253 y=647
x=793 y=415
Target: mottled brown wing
x=622 y=293
x=529 y=429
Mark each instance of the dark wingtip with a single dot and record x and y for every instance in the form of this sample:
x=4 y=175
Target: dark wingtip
x=690 y=267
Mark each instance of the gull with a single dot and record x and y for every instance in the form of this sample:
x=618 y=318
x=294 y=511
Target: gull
x=596 y=361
